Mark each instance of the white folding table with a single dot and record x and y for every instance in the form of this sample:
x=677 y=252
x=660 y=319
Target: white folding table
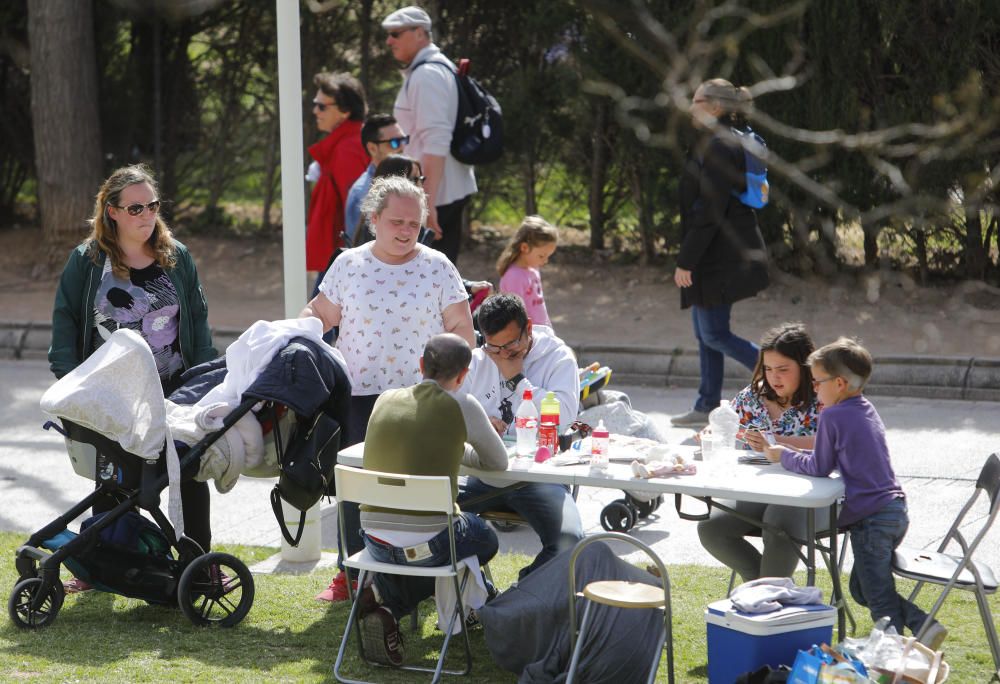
x=714 y=483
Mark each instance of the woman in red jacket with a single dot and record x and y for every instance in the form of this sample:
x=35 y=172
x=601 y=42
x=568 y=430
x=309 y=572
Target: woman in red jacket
x=339 y=107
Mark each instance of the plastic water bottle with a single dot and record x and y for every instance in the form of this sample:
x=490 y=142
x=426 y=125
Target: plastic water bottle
x=600 y=442
x=526 y=425
x=550 y=410
x=725 y=424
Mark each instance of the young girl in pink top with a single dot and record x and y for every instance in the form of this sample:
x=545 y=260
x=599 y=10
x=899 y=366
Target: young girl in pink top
x=519 y=265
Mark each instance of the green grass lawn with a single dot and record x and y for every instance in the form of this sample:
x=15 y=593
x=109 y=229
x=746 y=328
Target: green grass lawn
x=289 y=637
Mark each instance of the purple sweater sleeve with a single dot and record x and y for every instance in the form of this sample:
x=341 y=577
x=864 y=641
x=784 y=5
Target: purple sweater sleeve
x=851 y=439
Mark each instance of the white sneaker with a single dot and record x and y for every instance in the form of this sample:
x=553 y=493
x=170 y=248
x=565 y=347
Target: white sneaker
x=934 y=636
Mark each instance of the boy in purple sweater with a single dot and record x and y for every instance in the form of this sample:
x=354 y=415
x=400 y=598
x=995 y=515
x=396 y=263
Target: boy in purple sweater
x=851 y=440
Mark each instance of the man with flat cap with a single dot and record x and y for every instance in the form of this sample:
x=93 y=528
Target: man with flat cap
x=426 y=108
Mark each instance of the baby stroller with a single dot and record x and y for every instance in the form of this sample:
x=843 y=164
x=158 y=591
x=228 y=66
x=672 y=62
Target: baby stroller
x=127 y=447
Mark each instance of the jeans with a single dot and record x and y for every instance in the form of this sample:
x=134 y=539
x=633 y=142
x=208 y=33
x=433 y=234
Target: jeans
x=872 y=584
x=548 y=508
x=715 y=343
x=401 y=593
x=724 y=536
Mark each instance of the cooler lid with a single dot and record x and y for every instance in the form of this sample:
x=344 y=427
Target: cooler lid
x=786 y=619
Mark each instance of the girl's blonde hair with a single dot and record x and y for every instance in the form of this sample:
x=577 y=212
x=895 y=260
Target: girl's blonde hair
x=534 y=232
x=104 y=229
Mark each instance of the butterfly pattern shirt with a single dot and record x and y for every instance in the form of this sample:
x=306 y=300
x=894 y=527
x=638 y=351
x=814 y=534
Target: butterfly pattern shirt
x=793 y=422
x=389 y=312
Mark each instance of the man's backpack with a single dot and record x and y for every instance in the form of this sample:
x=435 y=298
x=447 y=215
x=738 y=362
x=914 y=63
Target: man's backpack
x=755 y=154
x=478 y=134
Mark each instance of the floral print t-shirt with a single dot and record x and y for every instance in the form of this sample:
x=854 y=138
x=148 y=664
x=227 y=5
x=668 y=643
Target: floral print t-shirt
x=794 y=422
x=146 y=303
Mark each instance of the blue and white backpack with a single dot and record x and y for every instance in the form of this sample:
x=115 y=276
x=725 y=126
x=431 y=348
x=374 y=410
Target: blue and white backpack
x=755 y=154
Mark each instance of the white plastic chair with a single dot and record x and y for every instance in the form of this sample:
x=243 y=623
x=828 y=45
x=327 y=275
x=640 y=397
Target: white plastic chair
x=620 y=594
x=960 y=571
x=406 y=493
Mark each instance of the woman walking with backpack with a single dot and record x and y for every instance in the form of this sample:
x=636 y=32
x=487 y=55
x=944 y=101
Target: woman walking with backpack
x=722 y=257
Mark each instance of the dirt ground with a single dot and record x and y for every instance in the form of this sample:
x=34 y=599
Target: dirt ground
x=592 y=299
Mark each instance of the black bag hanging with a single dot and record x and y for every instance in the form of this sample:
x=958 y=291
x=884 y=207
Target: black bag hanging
x=306 y=466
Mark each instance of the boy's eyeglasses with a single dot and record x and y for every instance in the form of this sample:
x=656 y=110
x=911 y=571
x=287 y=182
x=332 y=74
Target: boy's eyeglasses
x=395 y=143
x=816 y=383
x=136 y=209
x=510 y=346
x=322 y=106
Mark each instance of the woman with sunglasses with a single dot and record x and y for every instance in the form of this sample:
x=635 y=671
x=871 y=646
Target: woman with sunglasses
x=131 y=273
x=339 y=108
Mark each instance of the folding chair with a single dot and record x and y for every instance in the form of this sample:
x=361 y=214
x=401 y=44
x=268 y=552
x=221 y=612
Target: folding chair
x=620 y=594
x=960 y=571
x=407 y=493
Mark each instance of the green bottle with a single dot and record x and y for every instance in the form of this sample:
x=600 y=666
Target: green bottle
x=550 y=409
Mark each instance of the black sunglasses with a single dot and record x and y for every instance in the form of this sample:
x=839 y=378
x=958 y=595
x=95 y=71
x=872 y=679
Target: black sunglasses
x=418 y=179
x=322 y=106
x=136 y=209
x=395 y=143
x=398 y=32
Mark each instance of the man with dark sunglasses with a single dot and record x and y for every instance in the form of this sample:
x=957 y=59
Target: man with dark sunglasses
x=381 y=137
x=426 y=107
x=515 y=356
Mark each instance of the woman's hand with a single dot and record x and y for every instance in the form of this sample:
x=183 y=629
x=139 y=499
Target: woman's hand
x=682 y=277
x=755 y=439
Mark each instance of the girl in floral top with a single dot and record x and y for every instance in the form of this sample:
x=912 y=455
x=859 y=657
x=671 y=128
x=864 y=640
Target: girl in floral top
x=779 y=400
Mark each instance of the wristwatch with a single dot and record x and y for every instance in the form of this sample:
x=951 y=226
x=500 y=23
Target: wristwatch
x=513 y=382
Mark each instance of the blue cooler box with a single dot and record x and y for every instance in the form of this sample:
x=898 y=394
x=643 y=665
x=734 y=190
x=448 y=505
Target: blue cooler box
x=743 y=642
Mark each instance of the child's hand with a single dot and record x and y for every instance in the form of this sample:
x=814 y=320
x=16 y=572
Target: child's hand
x=773 y=453
x=477 y=285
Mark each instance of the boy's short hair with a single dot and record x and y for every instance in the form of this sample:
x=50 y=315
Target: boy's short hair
x=846 y=359
x=445 y=356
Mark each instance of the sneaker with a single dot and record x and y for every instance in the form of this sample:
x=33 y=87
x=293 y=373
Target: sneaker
x=75 y=585
x=472 y=620
x=693 y=418
x=381 y=638
x=934 y=636
x=337 y=591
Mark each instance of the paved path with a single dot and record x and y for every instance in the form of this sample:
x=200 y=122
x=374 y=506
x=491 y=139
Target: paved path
x=938 y=448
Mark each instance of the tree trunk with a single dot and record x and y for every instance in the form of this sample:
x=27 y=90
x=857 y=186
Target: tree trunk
x=270 y=171
x=598 y=176
x=975 y=250
x=920 y=247
x=365 y=19
x=530 y=178
x=64 y=116
x=871 y=245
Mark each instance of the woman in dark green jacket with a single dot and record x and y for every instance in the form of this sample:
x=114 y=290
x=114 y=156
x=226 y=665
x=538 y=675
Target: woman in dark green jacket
x=131 y=273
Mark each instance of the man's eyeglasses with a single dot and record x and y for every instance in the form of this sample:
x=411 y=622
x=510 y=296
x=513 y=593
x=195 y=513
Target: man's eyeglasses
x=398 y=32
x=509 y=346
x=418 y=179
x=816 y=383
x=136 y=209
x=323 y=106
x=395 y=143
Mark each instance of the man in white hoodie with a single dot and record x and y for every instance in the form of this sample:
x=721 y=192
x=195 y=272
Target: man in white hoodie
x=426 y=107
x=515 y=357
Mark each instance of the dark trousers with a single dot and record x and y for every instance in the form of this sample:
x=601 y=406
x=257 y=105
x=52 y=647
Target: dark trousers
x=196 y=502
x=450 y=220
x=357 y=428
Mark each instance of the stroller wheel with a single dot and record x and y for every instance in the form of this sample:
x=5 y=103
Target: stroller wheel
x=645 y=508
x=617 y=516
x=22 y=596
x=216 y=589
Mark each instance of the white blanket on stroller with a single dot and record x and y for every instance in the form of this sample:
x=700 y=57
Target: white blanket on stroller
x=116 y=392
